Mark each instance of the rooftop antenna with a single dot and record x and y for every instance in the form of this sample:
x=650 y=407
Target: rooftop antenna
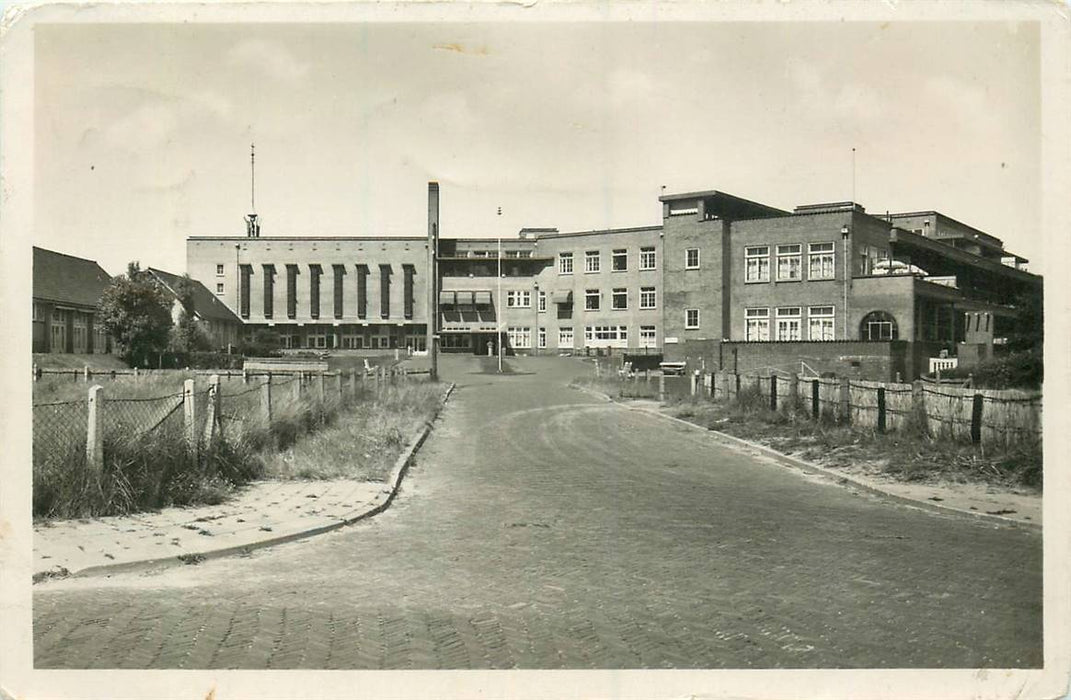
x=252 y=226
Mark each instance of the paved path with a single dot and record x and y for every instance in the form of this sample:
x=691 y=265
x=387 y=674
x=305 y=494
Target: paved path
x=542 y=529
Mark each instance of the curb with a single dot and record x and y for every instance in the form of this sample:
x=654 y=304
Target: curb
x=841 y=479
x=401 y=466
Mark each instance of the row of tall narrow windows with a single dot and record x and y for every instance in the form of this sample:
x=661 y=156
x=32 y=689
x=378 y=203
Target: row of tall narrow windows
x=339 y=304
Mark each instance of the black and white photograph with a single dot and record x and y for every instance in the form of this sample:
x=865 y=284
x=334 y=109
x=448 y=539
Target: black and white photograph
x=545 y=350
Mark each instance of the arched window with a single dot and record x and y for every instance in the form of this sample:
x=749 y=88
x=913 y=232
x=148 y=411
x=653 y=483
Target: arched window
x=878 y=325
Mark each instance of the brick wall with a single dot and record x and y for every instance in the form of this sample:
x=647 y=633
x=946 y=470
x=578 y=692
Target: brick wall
x=877 y=361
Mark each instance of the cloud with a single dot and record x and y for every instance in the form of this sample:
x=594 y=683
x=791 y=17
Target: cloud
x=273 y=59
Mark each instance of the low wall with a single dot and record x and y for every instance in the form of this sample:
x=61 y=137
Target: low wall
x=875 y=361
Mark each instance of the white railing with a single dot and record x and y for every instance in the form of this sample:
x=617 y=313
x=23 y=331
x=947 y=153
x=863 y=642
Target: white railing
x=942 y=363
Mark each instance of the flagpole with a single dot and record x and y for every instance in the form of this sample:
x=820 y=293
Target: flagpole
x=501 y=308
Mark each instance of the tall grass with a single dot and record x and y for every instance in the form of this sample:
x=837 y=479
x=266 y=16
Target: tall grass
x=155 y=470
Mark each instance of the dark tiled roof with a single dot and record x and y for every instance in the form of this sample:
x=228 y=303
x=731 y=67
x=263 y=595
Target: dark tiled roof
x=205 y=303
x=66 y=279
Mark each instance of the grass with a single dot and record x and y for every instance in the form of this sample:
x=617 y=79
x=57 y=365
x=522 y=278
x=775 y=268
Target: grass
x=153 y=470
x=72 y=361
x=364 y=442
x=907 y=455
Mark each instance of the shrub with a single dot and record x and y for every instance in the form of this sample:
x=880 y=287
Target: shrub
x=1017 y=370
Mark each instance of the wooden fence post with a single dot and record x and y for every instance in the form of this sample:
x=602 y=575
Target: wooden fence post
x=95 y=430
x=265 y=399
x=793 y=391
x=815 y=407
x=189 y=410
x=918 y=406
x=212 y=420
x=976 y=418
x=881 y=409
x=736 y=377
x=773 y=392
x=846 y=399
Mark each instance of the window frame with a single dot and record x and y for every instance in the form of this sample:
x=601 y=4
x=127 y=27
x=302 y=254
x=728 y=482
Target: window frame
x=759 y=259
x=589 y=295
x=820 y=315
x=817 y=256
x=648 y=336
x=648 y=294
x=616 y=294
x=784 y=256
x=688 y=265
x=592 y=262
x=220 y=270
x=565 y=260
x=785 y=317
x=653 y=253
x=688 y=324
x=541 y=337
x=757 y=318
x=518 y=299
x=563 y=333
x=541 y=301
x=219 y=288
x=619 y=255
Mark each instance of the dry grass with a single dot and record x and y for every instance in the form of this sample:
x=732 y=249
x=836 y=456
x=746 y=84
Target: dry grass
x=364 y=442
x=620 y=387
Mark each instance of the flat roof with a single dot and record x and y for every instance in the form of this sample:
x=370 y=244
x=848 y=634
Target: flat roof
x=724 y=200
x=313 y=239
x=597 y=232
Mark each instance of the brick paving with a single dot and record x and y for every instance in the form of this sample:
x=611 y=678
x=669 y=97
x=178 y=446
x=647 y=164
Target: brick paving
x=542 y=529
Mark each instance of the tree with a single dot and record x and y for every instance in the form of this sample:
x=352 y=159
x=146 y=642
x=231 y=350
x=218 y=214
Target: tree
x=187 y=335
x=1028 y=330
x=136 y=313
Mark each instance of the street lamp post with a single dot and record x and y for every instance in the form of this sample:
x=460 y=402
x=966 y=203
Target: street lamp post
x=845 y=232
x=501 y=306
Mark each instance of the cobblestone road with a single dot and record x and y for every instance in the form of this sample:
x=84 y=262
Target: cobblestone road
x=544 y=529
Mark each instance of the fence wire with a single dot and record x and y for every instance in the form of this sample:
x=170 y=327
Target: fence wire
x=59 y=432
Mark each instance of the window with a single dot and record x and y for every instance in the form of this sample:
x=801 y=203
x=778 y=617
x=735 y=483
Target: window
x=565 y=337
x=542 y=301
x=647 y=298
x=648 y=337
x=820 y=322
x=291 y=291
x=691 y=259
x=314 y=290
x=757 y=323
x=591 y=300
x=647 y=258
x=519 y=336
x=619 y=299
x=606 y=335
x=565 y=263
x=219 y=269
x=878 y=325
x=36 y=312
x=757 y=263
x=691 y=319
x=788 y=323
x=542 y=337
x=510 y=254
x=619 y=262
x=789 y=262
x=245 y=272
x=518 y=299
x=591 y=261
x=316 y=340
x=408 y=297
x=219 y=287
x=58 y=330
x=268 y=300
x=821 y=261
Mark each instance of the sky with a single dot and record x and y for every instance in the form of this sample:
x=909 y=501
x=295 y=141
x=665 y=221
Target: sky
x=142 y=132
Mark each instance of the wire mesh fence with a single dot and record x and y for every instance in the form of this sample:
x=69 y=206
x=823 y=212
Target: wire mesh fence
x=56 y=437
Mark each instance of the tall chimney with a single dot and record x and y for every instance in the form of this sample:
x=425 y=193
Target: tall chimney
x=433 y=278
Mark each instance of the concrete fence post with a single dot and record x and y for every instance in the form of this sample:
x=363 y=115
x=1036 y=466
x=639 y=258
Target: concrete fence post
x=353 y=384
x=295 y=383
x=846 y=399
x=265 y=399
x=693 y=382
x=189 y=412
x=95 y=429
x=321 y=392
x=661 y=387
x=212 y=420
x=36 y=372
x=86 y=374
x=135 y=373
x=793 y=391
x=245 y=376
x=338 y=386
